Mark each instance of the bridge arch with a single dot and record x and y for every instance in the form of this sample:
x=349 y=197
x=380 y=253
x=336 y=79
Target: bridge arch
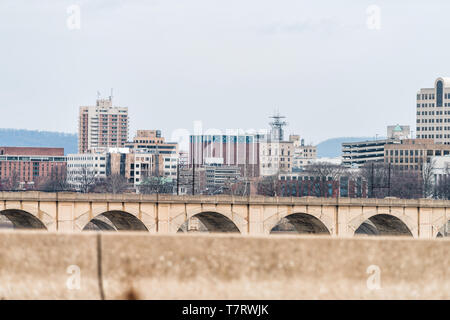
x=383 y=224
x=115 y=220
x=300 y=223
x=209 y=221
x=19 y=219
x=444 y=231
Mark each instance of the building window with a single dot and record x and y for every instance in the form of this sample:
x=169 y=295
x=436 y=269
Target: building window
x=439 y=89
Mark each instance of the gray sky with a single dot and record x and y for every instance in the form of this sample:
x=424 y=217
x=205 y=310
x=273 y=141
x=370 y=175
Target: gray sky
x=227 y=63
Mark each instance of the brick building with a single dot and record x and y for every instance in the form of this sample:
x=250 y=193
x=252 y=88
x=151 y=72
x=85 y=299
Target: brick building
x=412 y=154
x=303 y=186
x=30 y=165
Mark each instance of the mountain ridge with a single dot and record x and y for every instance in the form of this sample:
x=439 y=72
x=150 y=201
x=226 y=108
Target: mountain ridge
x=38 y=138
x=329 y=148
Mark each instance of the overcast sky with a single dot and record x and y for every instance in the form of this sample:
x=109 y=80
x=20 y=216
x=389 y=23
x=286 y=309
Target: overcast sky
x=227 y=63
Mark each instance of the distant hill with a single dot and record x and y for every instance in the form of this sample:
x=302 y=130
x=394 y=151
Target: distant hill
x=36 y=138
x=331 y=148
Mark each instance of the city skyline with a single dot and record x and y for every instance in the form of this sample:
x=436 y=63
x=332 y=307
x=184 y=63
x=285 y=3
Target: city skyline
x=234 y=59
x=209 y=150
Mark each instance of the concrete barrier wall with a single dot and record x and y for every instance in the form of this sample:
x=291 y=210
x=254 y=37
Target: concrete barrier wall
x=38 y=265
x=33 y=265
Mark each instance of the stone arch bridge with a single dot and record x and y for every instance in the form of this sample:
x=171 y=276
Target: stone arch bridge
x=419 y=218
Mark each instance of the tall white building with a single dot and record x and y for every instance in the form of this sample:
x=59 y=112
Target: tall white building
x=102 y=126
x=433 y=112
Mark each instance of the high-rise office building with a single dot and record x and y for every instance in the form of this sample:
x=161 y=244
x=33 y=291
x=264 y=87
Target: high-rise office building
x=433 y=112
x=102 y=126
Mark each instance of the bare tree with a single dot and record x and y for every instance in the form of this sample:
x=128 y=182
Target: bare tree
x=390 y=180
x=325 y=173
x=12 y=183
x=116 y=183
x=152 y=185
x=240 y=188
x=268 y=186
x=427 y=178
x=377 y=176
x=406 y=184
x=86 y=179
x=442 y=190
x=55 y=182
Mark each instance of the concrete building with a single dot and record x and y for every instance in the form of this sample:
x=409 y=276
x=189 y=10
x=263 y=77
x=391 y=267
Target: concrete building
x=233 y=150
x=356 y=154
x=433 y=112
x=102 y=126
x=150 y=156
x=86 y=166
x=31 y=165
x=220 y=176
x=303 y=154
x=412 y=154
x=276 y=157
x=170 y=166
x=152 y=140
x=142 y=164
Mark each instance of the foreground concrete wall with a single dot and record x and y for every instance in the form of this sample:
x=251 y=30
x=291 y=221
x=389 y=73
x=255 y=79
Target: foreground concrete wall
x=42 y=265
x=37 y=265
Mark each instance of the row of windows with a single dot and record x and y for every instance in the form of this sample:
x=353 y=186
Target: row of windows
x=431 y=105
x=85 y=165
x=425 y=105
x=404 y=152
x=84 y=158
x=429 y=113
x=425 y=96
x=269 y=152
x=433 y=136
x=432 y=128
x=446 y=120
x=404 y=160
x=430 y=96
x=269 y=165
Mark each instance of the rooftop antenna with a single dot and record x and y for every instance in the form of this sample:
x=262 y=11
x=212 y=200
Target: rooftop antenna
x=277 y=125
x=98 y=94
x=111 y=96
